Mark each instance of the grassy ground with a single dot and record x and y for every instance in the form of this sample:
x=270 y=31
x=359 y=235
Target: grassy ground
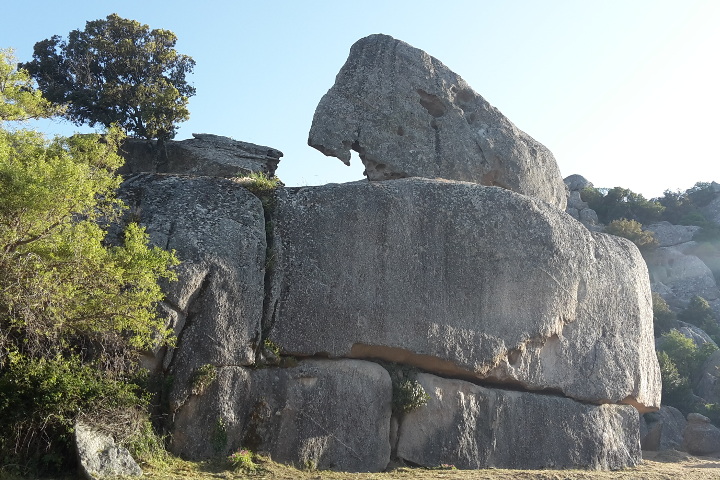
x=664 y=465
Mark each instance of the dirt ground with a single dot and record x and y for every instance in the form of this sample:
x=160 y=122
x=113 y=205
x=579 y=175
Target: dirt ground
x=656 y=465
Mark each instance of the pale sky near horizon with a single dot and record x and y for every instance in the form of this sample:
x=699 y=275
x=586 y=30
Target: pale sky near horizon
x=624 y=92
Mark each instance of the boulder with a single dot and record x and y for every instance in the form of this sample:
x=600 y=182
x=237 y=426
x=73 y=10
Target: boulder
x=576 y=183
x=470 y=426
x=217 y=229
x=575 y=201
x=712 y=210
x=463 y=280
x=683 y=275
x=664 y=429
x=701 y=437
x=408 y=115
x=669 y=235
x=324 y=414
x=708 y=387
x=205 y=154
x=99 y=457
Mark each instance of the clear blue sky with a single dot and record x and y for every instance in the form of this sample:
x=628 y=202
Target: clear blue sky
x=624 y=92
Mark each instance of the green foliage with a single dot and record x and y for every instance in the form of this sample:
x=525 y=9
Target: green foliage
x=147 y=447
x=202 y=378
x=242 y=460
x=632 y=230
x=681 y=363
x=75 y=310
x=116 y=71
x=700 y=313
x=408 y=395
x=259 y=183
x=219 y=436
x=39 y=401
x=19 y=99
x=664 y=319
x=618 y=202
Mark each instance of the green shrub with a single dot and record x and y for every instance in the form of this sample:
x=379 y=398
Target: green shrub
x=664 y=319
x=242 y=460
x=39 y=403
x=408 y=395
x=202 y=378
x=632 y=230
x=259 y=183
x=700 y=313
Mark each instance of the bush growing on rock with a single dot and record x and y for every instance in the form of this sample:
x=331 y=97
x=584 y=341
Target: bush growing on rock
x=664 y=319
x=700 y=313
x=632 y=230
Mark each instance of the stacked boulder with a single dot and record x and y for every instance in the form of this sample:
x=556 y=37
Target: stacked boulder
x=576 y=206
x=526 y=337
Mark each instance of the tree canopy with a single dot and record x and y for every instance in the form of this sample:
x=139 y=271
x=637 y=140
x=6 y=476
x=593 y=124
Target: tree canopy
x=116 y=71
x=19 y=100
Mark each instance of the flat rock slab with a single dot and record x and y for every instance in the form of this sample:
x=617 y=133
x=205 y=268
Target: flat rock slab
x=464 y=280
x=204 y=154
x=217 y=229
x=470 y=427
x=330 y=415
x=408 y=115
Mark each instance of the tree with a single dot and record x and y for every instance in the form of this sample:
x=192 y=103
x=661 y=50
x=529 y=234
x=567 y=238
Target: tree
x=700 y=313
x=75 y=309
x=116 y=71
x=664 y=319
x=619 y=202
x=19 y=100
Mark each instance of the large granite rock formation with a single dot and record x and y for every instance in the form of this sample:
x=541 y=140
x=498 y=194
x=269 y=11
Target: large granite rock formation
x=464 y=280
x=217 y=229
x=322 y=414
x=701 y=437
x=665 y=429
x=474 y=427
x=205 y=154
x=408 y=115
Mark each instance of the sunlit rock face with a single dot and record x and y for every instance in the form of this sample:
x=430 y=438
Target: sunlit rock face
x=408 y=115
x=464 y=280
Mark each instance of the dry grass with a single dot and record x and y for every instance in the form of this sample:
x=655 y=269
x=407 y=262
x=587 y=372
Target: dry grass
x=663 y=465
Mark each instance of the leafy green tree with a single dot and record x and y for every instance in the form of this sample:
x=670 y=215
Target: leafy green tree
x=116 y=71
x=19 y=100
x=632 y=230
x=618 y=202
x=75 y=311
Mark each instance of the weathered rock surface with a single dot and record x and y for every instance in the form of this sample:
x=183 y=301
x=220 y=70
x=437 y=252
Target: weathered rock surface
x=577 y=182
x=669 y=235
x=408 y=115
x=331 y=414
x=464 y=280
x=474 y=427
x=708 y=386
x=205 y=154
x=99 y=457
x=217 y=228
x=665 y=429
x=679 y=277
x=701 y=437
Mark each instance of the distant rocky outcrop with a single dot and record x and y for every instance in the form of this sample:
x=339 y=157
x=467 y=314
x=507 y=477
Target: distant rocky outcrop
x=408 y=115
x=701 y=437
x=576 y=207
x=205 y=154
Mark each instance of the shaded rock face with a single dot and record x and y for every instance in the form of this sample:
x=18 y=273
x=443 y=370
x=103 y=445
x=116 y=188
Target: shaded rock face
x=474 y=427
x=205 y=154
x=701 y=437
x=408 y=115
x=464 y=280
x=322 y=413
x=665 y=429
x=669 y=235
x=678 y=276
x=217 y=229
x=708 y=386
x=99 y=457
